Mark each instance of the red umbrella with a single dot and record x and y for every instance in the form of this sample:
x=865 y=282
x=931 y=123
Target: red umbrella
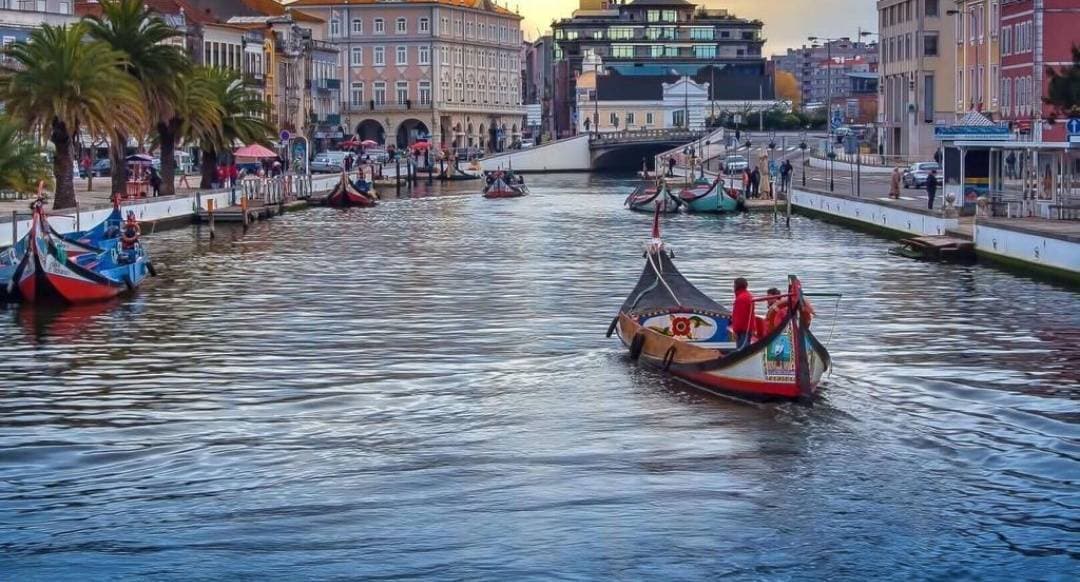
x=421 y=145
x=255 y=151
x=350 y=143
x=369 y=142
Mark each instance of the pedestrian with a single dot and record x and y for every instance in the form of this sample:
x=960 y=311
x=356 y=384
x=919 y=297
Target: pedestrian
x=894 y=184
x=931 y=189
x=671 y=166
x=785 y=176
x=1010 y=165
x=742 y=313
x=755 y=183
x=155 y=181
x=222 y=175
x=234 y=174
x=86 y=165
x=746 y=182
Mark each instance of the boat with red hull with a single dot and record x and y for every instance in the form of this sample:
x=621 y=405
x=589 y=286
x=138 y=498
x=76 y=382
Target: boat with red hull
x=346 y=195
x=48 y=273
x=669 y=324
x=501 y=188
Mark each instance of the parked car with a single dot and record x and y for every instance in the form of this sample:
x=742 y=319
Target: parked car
x=915 y=176
x=102 y=167
x=328 y=162
x=528 y=143
x=376 y=154
x=735 y=164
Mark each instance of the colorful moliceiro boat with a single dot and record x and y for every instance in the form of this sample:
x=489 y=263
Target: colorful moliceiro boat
x=504 y=186
x=48 y=272
x=669 y=324
x=652 y=199
x=710 y=197
x=345 y=194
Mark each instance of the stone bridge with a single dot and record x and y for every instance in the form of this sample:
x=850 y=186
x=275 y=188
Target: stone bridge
x=623 y=150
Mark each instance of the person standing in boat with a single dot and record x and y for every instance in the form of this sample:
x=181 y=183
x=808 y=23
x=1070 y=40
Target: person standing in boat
x=742 y=313
x=129 y=237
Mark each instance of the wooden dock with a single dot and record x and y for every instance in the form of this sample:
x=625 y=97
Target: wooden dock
x=936 y=248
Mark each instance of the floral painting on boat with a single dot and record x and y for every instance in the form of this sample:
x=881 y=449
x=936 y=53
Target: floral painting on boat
x=684 y=326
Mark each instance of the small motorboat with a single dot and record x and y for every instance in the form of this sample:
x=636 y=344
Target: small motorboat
x=346 y=194
x=710 y=197
x=502 y=185
x=49 y=273
x=669 y=324
x=650 y=199
x=455 y=174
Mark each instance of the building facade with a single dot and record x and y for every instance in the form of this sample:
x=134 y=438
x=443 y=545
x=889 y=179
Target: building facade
x=917 y=48
x=807 y=64
x=1035 y=34
x=449 y=70
x=656 y=38
x=978 y=56
x=18 y=18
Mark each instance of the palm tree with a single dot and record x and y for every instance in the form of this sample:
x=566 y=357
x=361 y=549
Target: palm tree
x=155 y=62
x=242 y=120
x=196 y=111
x=21 y=163
x=62 y=85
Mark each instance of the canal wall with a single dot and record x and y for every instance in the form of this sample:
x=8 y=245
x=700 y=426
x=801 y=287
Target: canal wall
x=1013 y=245
x=156 y=213
x=564 y=155
x=864 y=213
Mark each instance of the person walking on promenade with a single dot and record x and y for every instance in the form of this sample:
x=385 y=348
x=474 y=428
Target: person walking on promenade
x=931 y=189
x=671 y=167
x=894 y=184
x=746 y=182
x=234 y=174
x=755 y=183
x=155 y=181
x=785 y=176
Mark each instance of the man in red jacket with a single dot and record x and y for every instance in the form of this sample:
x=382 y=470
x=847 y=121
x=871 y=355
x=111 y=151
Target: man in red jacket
x=742 y=314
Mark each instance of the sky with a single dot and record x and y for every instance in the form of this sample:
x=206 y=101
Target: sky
x=787 y=22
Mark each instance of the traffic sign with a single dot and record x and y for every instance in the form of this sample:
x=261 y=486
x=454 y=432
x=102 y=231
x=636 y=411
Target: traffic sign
x=1074 y=125
x=285 y=135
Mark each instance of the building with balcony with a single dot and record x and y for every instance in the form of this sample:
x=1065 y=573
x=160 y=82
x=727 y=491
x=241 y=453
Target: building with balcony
x=917 y=69
x=1035 y=34
x=18 y=18
x=977 y=56
x=807 y=64
x=449 y=70
x=656 y=38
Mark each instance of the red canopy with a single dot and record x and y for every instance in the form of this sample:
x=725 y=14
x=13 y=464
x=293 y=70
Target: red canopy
x=421 y=145
x=255 y=151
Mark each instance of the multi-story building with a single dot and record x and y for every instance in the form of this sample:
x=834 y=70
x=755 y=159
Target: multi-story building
x=806 y=64
x=1035 y=34
x=445 y=69
x=538 y=83
x=18 y=18
x=916 y=69
x=978 y=57
x=656 y=38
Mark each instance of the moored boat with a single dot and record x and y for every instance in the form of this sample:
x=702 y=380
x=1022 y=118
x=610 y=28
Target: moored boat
x=710 y=197
x=345 y=194
x=47 y=272
x=652 y=198
x=669 y=324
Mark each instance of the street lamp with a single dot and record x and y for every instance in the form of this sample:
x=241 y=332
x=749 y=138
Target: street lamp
x=828 y=99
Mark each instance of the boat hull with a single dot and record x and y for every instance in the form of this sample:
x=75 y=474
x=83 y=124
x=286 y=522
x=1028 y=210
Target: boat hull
x=757 y=373
x=345 y=199
x=714 y=201
x=648 y=200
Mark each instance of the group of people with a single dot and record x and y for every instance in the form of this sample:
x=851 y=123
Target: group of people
x=931 y=186
x=746 y=324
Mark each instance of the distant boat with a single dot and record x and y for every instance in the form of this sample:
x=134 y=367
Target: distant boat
x=501 y=187
x=345 y=194
x=48 y=273
x=669 y=324
x=649 y=199
x=710 y=197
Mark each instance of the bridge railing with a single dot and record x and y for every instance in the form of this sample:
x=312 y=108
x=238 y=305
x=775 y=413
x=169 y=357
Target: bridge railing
x=644 y=135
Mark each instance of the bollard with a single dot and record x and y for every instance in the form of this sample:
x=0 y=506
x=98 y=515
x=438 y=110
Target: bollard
x=244 y=210
x=210 y=214
x=397 y=177
x=14 y=227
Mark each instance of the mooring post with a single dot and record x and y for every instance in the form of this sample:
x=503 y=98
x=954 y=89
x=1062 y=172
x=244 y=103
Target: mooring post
x=14 y=227
x=788 y=196
x=397 y=176
x=244 y=210
x=210 y=214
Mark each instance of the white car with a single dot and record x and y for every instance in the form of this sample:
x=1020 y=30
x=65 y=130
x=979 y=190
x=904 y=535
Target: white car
x=735 y=164
x=328 y=162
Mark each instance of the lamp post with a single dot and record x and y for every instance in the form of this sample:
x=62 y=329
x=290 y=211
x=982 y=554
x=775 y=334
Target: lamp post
x=828 y=98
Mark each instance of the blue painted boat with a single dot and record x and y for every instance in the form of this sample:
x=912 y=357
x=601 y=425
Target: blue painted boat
x=714 y=197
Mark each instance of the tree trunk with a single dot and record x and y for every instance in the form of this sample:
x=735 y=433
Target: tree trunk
x=167 y=137
x=62 y=170
x=208 y=167
x=118 y=158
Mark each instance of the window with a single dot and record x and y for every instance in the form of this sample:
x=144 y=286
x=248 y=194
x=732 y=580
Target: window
x=907 y=46
x=423 y=26
x=380 y=56
x=470 y=29
x=401 y=56
x=444 y=26
x=930 y=45
x=380 y=92
x=380 y=26
x=995 y=24
x=701 y=33
x=402 y=88
x=622 y=51
x=356 y=94
x=614 y=119
x=423 y=55
x=678 y=118
x=620 y=33
x=400 y=27
x=928 y=99
x=707 y=51
x=335 y=27
x=356 y=56
x=648 y=118
x=656 y=51
x=629 y=119
x=931 y=7
x=357 y=26
x=425 y=92
x=458 y=28
x=652 y=16
x=994 y=84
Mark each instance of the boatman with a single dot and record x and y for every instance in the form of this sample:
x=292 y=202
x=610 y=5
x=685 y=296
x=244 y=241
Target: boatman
x=742 y=314
x=129 y=237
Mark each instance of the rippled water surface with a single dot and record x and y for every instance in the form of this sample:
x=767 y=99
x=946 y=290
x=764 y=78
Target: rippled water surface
x=425 y=390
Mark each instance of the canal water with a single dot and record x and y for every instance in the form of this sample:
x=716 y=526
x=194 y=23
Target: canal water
x=425 y=390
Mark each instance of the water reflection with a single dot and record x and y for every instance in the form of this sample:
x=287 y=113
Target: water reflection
x=424 y=390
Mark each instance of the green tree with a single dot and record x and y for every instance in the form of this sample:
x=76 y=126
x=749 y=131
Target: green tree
x=62 y=85
x=196 y=111
x=243 y=120
x=1063 y=94
x=157 y=64
x=22 y=164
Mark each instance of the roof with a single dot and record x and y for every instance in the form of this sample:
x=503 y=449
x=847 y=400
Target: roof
x=484 y=5
x=660 y=3
x=191 y=13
